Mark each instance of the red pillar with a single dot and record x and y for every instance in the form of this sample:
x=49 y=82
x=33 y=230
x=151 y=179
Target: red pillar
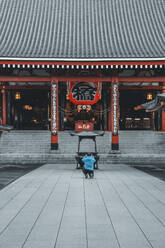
x=115 y=114
x=110 y=111
x=54 y=116
x=163 y=113
x=4 y=112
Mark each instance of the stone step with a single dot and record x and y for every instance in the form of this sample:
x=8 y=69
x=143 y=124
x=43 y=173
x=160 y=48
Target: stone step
x=32 y=142
x=68 y=159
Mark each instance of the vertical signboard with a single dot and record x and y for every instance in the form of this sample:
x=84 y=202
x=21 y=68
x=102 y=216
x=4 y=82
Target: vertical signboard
x=54 y=116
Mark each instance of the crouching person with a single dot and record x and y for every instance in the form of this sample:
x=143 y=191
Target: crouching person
x=88 y=167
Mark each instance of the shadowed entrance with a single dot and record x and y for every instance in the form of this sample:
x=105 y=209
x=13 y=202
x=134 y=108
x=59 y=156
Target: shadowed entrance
x=30 y=109
x=136 y=120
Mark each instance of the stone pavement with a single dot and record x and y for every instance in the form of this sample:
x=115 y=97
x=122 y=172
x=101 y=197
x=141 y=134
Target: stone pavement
x=55 y=207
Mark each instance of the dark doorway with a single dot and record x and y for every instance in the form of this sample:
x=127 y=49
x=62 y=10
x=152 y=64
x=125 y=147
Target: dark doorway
x=0 y=108
x=30 y=109
x=135 y=120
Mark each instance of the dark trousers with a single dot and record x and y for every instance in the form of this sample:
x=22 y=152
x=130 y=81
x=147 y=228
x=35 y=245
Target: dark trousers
x=88 y=172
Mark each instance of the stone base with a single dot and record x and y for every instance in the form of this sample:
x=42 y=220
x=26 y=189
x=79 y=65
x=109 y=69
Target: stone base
x=115 y=146
x=69 y=159
x=115 y=152
x=54 y=146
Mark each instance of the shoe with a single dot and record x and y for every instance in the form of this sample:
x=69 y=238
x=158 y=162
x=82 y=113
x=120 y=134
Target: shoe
x=86 y=176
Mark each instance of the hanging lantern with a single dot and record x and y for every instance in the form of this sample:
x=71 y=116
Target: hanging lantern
x=78 y=108
x=149 y=96
x=88 y=108
x=28 y=107
x=67 y=97
x=17 y=96
x=84 y=107
x=68 y=90
x=84 y=93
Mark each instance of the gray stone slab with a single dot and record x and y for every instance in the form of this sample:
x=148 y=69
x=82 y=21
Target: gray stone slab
x=73 y=230
x=19 y=228
x=17 y=203
x=132 y=196
x=60 y=209
x=46 y=228
x=127 y=230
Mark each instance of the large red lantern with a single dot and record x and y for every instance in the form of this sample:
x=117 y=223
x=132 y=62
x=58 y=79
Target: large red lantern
x=85 y=93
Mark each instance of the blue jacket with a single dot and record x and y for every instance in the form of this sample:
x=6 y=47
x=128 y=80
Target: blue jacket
x=89 y=162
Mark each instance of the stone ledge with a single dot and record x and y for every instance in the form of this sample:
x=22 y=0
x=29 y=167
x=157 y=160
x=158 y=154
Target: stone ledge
x=20 y=158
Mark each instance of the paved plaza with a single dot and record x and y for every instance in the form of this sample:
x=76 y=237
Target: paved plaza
x=54 y=206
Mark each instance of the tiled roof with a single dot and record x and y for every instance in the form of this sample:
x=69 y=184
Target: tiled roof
x=82 y=29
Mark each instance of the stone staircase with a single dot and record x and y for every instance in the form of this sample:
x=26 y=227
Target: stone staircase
x=142 y=142
x=146 y=142
x=24 y=147
x=25 y=142
x=34 y=147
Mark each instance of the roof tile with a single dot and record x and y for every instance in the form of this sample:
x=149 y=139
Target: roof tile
x=95 y=29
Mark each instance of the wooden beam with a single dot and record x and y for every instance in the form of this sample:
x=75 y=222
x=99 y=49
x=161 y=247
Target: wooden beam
x=52 y=79
x=35 y=87
x=141 y=79
x=79 y=78
x=24 y=79
x=140 y=87
x=24 y=87
x=109 y=79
